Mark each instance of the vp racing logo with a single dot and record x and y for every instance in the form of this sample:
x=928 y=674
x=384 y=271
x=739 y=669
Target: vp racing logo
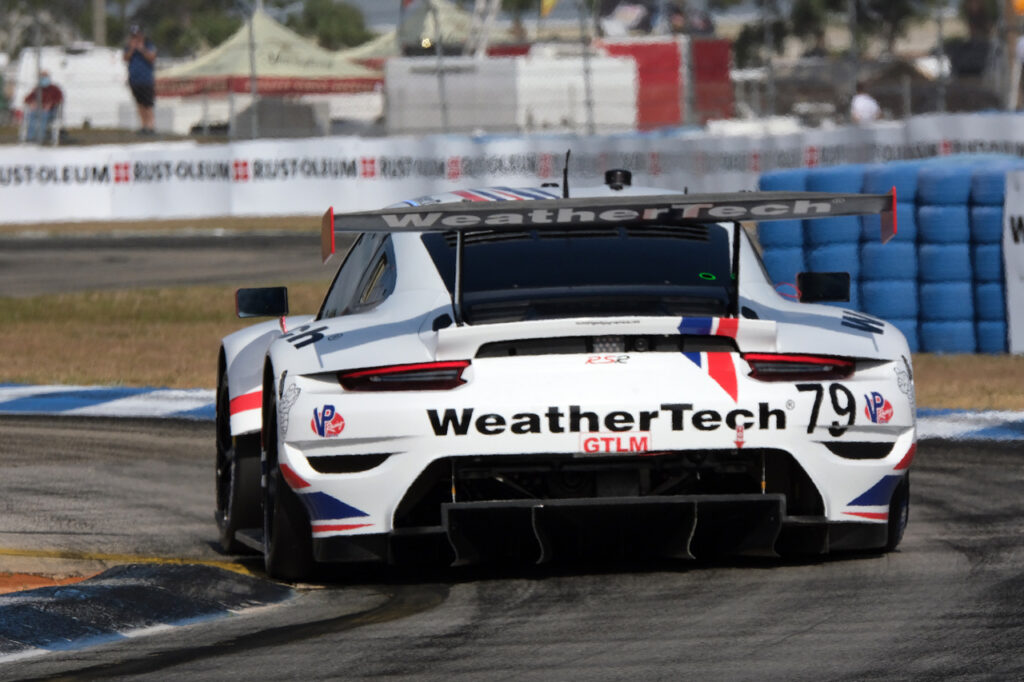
x=878 y=409
x=327 y=423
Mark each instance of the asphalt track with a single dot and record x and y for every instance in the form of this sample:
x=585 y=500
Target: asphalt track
x=948 y=604
x=58 y=263
x=134 y=498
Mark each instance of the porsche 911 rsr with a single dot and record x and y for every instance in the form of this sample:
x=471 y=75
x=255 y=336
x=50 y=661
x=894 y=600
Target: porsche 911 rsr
x=507 y=373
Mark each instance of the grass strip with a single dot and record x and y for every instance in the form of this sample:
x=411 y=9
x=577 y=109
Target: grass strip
x=146 y=337
x=169 y=338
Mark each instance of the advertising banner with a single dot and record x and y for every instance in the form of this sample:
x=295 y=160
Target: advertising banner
x=1013 y=259
x=302 y=177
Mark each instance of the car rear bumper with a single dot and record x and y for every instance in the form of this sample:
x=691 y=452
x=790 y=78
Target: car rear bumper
x=539 y=531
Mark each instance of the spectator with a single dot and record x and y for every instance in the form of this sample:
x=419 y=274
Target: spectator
x=41 y=106
x=140 y=54
x=863 y=107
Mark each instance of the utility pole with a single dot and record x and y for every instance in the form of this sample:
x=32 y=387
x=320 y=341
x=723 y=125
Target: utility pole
x=942 y=62
x=1011 y=22
x=588 y=88
x=99 y=22
x=851 y=6
x=442 y=91
x=254 y=131
x=768 y=19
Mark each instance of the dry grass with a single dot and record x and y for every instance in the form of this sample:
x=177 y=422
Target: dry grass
x=169 y=337
x=146 y=337
x=979 y=382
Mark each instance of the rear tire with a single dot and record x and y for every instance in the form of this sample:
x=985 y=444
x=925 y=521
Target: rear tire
x=237 y=477
x=287 y=534
x=899 y=513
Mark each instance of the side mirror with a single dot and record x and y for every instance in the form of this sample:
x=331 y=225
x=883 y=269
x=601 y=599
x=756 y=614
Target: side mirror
x=262 y=302
x=820 y=287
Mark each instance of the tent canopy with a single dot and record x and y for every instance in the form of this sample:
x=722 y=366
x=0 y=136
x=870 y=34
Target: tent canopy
x=456 y=25
x=286 y=64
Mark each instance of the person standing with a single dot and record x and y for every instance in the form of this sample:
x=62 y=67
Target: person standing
x=863 y=107
x=41 y=107
x=140 y=54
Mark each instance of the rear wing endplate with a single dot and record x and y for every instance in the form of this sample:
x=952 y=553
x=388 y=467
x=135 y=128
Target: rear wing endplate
x=562 y=214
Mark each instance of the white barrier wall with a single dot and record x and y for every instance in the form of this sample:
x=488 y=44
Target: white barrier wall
x=1013 y=259
x=297 y=177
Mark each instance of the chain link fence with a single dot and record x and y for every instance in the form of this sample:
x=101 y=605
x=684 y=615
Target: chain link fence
x=601 y=72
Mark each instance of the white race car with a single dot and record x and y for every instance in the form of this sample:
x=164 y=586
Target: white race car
x=507 y=373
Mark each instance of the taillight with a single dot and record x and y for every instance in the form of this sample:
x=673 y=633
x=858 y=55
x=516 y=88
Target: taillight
x=421 y=376
x=776 y=367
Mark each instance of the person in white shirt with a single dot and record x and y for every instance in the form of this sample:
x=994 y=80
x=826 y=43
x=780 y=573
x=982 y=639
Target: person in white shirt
x=864 y=108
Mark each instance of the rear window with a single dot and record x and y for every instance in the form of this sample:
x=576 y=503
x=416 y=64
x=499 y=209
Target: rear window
x=649 y=270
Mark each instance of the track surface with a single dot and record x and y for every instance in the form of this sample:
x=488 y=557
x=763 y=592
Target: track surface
x=949 y=604
x=57 y=264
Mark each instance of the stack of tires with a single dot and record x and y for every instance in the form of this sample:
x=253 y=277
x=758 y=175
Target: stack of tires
x=833 y=244
x=888 y=272
x=988 y=190
x=945 y=273
x=940 y=280
x=782 y=243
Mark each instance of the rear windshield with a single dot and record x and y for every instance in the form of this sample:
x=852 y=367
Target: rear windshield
x=649 y=270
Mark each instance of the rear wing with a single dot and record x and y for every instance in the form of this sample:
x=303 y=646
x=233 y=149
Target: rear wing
x=583 y=213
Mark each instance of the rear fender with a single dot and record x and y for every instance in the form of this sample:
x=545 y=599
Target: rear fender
x=244 y=354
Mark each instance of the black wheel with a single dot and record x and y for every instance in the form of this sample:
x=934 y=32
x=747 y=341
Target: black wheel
x=237 y=476
x=899 y=513
x=287 y=536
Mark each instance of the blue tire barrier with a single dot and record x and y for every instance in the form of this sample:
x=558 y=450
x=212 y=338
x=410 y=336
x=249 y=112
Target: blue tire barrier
x=948 y=337
x=906 y=225
x=946 y=301
x=991 y=337
x=987 y=224
x=891 y=299
x=781 y=234
x=881 y=178
x=987 y=261
x=988 y=183
x=827 y=231
x=784 y=264
x=836 y=258
x=793 y=180
x=943 y=184
x=895 y=260
x=907 y=325
x=989 y=302
x=943 y=224
x=944 y=262
x=848 y=178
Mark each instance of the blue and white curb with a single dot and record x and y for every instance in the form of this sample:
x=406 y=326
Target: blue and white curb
x=101 y=401
x=968 y=425
x=126 y=602
x=198 y=403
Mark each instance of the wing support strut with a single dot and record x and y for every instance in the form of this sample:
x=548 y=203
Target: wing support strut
x=460 y=245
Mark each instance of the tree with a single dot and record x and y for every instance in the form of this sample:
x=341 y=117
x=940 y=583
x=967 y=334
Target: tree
x=188 y=26
x=56 y=21
x=334 y=24
x=980 y=17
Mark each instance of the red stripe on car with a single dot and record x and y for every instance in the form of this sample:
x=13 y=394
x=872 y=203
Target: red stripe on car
x=293 y=479
x=318 y=528
x=248 y=401
x=907 y=458
x=878 y=516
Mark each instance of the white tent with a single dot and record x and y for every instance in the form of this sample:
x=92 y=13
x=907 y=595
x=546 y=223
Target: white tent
x=286 y=64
